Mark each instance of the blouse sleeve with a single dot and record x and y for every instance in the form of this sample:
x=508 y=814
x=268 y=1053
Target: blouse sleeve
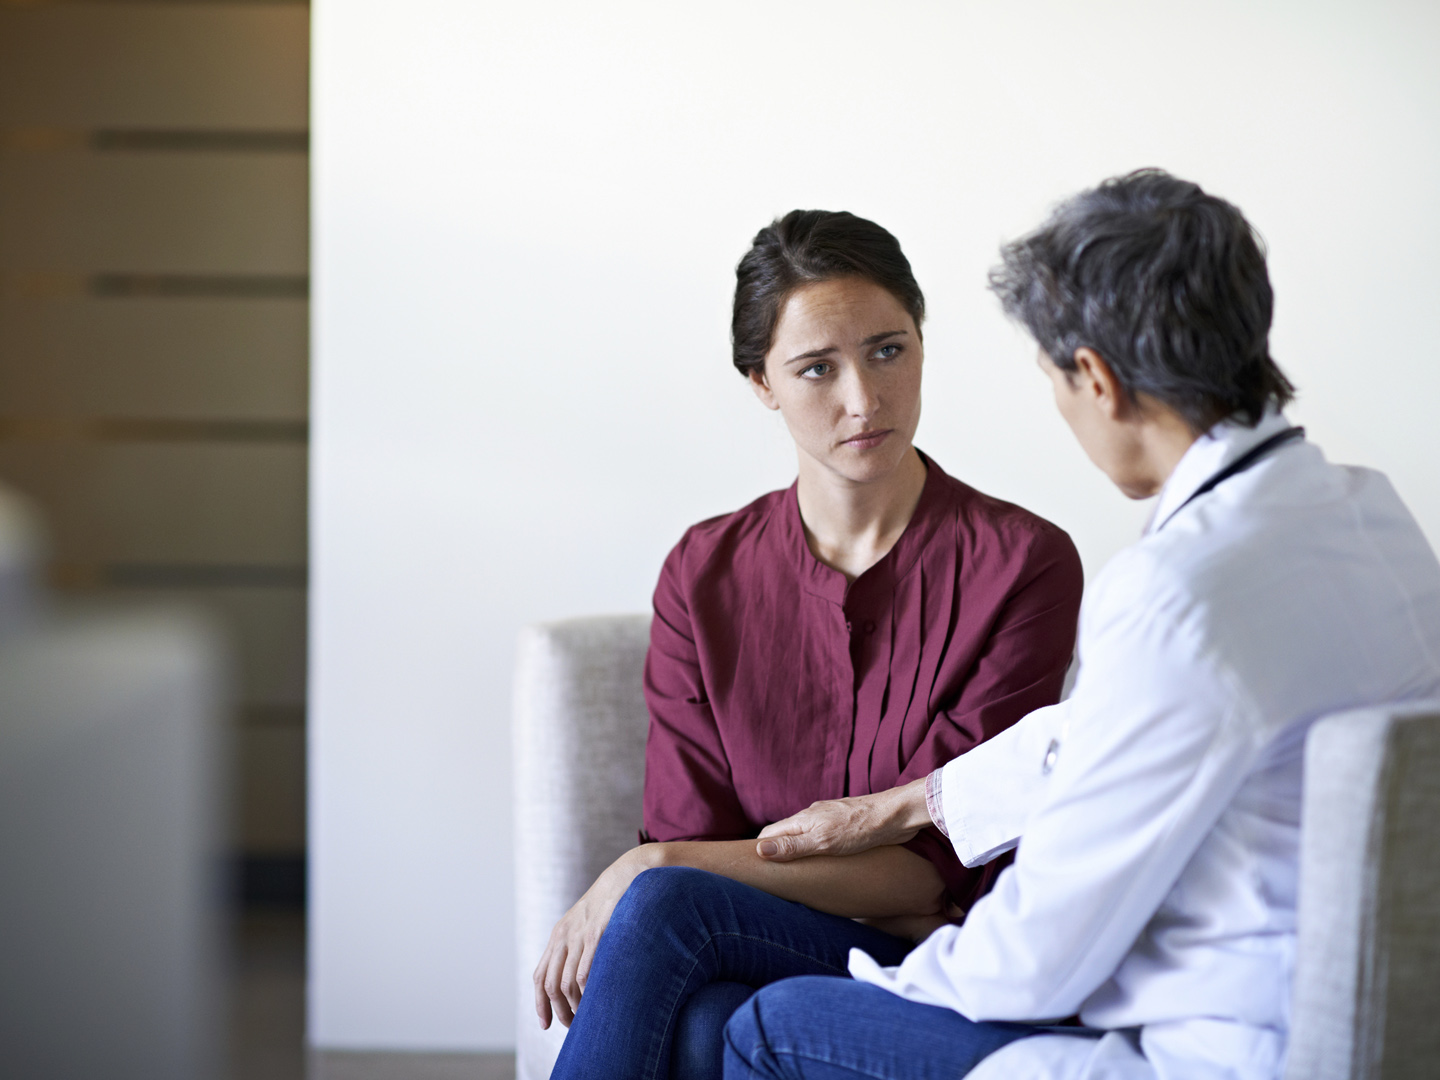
x=689 y=792
x=1021 y=669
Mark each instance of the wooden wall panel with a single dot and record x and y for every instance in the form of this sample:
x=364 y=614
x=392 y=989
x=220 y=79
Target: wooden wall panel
x=158 y=213
x=153 y=332
x=266 y=631
x=161 y=503
x=155 y=65
x=270 y=790
x=144 y=357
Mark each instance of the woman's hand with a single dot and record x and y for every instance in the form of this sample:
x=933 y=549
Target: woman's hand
x=847 y=826
x=560 y=976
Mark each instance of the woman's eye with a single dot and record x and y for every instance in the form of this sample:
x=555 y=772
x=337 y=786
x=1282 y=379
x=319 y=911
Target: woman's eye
x=888 y=352
x=815 y=371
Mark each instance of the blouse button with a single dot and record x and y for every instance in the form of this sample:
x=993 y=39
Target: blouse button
x=869 y=626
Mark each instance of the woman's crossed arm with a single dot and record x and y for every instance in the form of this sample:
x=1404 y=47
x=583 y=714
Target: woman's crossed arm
x=893 y=887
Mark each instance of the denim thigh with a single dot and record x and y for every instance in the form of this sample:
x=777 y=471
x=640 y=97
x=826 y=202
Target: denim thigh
x=676 y=930
x=838 y=1029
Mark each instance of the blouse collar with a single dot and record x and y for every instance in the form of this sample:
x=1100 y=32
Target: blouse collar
x=829 y=583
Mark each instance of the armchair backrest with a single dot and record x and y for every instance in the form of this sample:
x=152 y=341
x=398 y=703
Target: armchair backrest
x=1367 y=967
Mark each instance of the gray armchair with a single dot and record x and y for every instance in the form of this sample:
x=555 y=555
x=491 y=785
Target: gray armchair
x=1368 y=960
x=1367 y=966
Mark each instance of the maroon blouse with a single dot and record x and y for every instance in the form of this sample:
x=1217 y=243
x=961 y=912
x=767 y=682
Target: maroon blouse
x=773 y=683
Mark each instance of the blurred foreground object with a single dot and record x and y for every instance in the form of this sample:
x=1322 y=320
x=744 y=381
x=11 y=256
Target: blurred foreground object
x=110 y=812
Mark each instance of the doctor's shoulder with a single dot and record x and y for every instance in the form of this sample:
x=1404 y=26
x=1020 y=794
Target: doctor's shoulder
x=1141 y=589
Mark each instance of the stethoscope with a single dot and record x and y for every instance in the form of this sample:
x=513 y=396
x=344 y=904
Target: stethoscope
x=1239 y=465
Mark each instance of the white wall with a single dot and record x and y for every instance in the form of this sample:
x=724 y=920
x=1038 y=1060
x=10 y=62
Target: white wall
x=526 y=222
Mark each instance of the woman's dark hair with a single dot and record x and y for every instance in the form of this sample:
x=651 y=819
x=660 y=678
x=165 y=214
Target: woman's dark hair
x=1166 y=283
x=804 y=247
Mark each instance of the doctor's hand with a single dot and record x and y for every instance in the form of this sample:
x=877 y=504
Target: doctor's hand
x=847 y=826
x=565 y=965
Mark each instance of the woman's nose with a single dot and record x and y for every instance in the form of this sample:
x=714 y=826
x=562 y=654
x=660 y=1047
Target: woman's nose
x=861 y=398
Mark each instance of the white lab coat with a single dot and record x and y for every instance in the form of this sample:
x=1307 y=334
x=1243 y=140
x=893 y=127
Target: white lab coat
x=1154 y=889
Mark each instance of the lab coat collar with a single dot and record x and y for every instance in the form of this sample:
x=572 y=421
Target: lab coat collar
x=1225 y=442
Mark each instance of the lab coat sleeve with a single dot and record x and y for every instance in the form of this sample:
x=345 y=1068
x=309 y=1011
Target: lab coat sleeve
x=988 y=794
x=1155 y=750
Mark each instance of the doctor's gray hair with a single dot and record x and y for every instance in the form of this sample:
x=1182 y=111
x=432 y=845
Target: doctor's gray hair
x=1166 y=283
x=803 y=248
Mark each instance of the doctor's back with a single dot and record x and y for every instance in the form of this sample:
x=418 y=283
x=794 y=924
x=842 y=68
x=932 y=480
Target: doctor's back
x=1291 y=591
x=1311 y=582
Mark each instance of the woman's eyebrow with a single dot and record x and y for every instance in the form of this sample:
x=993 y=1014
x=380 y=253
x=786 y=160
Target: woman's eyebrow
x=812 y=354
x=871 y=340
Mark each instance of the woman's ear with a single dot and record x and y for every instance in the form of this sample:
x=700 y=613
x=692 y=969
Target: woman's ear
x=761 y=385
x=1097 y=381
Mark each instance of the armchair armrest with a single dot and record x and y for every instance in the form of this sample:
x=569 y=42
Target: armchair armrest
x=579 y=742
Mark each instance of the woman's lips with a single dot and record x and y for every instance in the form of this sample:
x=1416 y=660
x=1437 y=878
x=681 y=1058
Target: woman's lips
x=868 y=440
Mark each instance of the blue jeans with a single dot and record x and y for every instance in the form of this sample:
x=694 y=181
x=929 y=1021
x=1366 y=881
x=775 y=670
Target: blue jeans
x=840 y=1029
x=684 y=949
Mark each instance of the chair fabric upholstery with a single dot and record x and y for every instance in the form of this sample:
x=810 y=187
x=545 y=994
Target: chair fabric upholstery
x=579 y=741
x=1368 y=956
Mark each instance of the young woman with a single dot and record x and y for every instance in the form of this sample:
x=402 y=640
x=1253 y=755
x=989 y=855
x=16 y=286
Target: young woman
x=846 y=635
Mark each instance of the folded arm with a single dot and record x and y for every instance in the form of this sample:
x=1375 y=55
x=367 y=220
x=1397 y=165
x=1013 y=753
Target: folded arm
x=981 y=803
x=883 y=884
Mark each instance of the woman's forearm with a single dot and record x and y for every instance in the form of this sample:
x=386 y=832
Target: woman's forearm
x=884 y=883
x=879 y=883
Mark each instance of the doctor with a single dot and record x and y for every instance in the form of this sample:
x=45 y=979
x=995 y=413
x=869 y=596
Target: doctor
x=1157 y=811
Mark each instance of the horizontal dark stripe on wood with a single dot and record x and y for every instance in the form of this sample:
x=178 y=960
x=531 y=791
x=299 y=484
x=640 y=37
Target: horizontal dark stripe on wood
x=238 y=286
x=206 y=141
x=271 y=716
x=269 y=882
x=28 y=429
x=156 y=140
x=170 y=286
x=177 y=576
x=151 y=3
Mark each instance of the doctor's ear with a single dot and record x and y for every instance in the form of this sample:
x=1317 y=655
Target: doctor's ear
x=1096 y=381
x=761 y=385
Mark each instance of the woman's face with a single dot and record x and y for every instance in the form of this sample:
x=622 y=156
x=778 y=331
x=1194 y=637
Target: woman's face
x=844 y=371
